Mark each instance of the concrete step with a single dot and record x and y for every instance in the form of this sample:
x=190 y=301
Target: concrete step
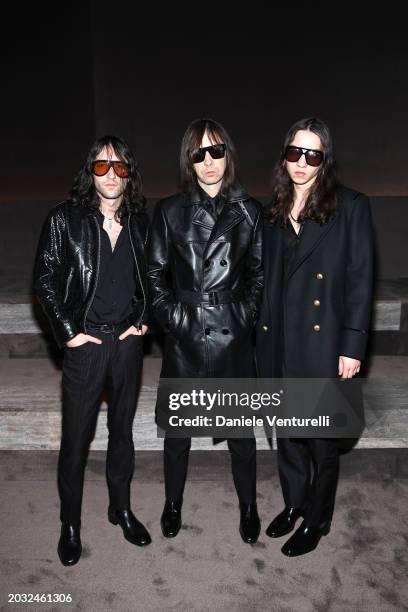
x=25 y=332
x=30 y=404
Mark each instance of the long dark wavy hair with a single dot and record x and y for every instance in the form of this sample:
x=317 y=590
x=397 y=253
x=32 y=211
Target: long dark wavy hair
x=83 y=192
x=192 y=139
x=321 y=203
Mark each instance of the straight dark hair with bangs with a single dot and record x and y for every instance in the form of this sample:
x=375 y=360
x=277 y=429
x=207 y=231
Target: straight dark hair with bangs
x=192 y=141
x=321 y=202
x=83 y=192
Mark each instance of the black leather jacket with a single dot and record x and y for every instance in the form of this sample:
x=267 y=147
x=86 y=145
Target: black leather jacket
x=191 y=258
x=67 y=267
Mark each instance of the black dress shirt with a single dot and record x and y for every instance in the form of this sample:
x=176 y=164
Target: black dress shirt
x=213 y=205
x=291 y=243
x=112 y=302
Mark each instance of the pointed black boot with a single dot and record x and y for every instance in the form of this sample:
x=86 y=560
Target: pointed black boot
x=250 y=525
x=69 y=545
x=171 y=519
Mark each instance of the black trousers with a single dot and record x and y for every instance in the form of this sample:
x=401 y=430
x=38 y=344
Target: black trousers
x=243 y=463
x=314 y=495
x=87 y=370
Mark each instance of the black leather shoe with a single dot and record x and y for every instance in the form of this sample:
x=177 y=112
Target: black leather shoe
x=171 y=519
x=283 y=523
x=69 y=545
x=304 y=540
x=133 y=530
x=250 y=525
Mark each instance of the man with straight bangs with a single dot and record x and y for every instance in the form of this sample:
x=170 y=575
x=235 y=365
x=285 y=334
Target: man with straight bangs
x=90 y=279
x=205 y=283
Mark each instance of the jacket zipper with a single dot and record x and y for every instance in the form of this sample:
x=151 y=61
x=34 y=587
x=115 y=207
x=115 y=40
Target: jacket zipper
x=97 y=274
x=138 y=272
x=69 y=279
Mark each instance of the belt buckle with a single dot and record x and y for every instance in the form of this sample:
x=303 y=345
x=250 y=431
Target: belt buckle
x=107 y=328
x=213 y=298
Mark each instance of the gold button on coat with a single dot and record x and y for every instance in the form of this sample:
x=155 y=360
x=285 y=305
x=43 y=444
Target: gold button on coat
x=319 y=275
x=265 y=327
x=316 y=328
x=316 y=303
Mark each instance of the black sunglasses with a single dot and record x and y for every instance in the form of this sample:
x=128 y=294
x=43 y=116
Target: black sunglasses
x=100 y=167
x=217 y=151
x=313 y=157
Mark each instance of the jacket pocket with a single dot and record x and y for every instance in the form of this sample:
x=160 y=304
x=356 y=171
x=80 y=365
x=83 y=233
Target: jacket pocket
x=177 y=317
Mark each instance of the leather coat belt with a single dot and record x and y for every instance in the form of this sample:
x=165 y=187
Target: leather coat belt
x=213 y=298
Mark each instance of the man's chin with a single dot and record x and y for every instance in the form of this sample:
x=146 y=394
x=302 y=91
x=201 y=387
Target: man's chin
x=111 y=195
x=211 y=181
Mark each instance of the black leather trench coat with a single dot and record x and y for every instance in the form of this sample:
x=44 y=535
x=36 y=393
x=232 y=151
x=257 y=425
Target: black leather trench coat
x=67 y=267
x=192 y=257
x=322 y=309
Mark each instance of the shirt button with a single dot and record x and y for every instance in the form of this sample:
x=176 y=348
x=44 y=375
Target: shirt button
x=316 y=303
x=223 y=262
x=207 y=331
x=265 y=327
x=319 y=275
x=316 y=328
x=225 y=331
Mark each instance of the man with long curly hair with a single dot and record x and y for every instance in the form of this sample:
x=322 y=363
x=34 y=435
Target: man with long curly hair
x=90 y=279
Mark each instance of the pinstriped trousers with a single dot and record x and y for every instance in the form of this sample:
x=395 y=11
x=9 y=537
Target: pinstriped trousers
x=87 y=370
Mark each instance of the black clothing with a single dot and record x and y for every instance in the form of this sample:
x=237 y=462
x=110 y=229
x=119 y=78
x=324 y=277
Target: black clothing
x=74 y=271
x=86 y=371
x=213 y=205
x=329 y=285
x=291 y=242
x=314 y=495
x=243 y=465
x=116 y=286
x=316 y=307
x=205 y=283
x=67 y=267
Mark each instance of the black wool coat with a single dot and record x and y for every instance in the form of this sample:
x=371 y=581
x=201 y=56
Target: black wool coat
x=323 y=309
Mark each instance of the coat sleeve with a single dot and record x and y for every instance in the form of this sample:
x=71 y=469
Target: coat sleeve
x=146 y=317
x=161 y=296
x=49 y=277
x=359 y=280
x=254 y=270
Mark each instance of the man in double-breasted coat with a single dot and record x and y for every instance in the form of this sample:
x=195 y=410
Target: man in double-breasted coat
x=314 y=321
x=205 y=284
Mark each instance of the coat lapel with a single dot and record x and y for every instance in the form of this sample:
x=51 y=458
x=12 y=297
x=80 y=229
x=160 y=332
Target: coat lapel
x=230 y=216
x=203 y=218
x=312 y=235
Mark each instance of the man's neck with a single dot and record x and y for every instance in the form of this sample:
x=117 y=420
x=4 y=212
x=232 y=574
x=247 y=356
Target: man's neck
x=211 y=190
x=300 y=195
x=108 y=207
